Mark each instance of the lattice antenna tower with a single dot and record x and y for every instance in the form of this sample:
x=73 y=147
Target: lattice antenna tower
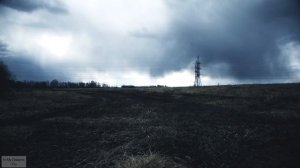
x=197 y=82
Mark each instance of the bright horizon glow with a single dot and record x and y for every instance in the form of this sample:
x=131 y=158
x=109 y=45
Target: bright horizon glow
x=173 y=79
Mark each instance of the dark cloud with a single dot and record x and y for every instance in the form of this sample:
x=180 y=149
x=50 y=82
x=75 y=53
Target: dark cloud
x=26 y=69
x=244 y=36
x=23 y=68
x=3 y=50
x=31 y=5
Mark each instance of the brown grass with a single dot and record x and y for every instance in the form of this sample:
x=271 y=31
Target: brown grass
x=147 y=161
x=221 y=126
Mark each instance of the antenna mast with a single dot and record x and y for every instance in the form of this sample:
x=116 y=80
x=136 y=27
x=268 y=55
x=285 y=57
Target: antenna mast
x=197 y=82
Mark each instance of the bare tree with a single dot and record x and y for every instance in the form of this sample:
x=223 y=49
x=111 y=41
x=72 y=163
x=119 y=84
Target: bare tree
x=5 y=77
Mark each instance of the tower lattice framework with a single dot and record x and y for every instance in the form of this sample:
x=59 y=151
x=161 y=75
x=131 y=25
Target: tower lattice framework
x=197 y=82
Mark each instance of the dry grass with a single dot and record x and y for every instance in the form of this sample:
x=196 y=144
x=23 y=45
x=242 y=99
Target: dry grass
x=147 y=161
x=225 y=126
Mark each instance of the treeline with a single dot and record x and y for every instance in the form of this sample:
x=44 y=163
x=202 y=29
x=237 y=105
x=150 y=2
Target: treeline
x=56 y=84
x=7 y=81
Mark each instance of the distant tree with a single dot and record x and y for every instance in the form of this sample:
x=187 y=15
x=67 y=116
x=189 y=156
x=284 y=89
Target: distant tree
x=72 y=85
x=81 y=84
x=54 y=83
x=105 y=85
x=93 y=84
x=5 y=77
x=41 y=84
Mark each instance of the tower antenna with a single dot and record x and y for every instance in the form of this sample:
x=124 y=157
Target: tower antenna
x=197 y=82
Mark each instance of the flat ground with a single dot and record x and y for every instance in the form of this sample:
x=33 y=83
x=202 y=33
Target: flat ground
x=220 y=126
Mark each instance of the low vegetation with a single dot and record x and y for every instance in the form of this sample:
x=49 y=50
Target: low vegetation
x=217 y=126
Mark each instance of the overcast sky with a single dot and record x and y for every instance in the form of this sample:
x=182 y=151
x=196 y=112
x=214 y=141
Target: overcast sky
x=153 y=42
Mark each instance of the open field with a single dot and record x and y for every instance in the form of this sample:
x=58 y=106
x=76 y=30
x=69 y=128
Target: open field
x=218 y=126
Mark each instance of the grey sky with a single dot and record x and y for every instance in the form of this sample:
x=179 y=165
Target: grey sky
x=152 y=42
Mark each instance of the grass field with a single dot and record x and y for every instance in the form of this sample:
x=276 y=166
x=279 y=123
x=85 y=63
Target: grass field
x=218 y=126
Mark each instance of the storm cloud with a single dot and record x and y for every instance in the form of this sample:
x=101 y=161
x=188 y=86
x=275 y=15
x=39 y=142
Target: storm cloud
x=242 y=36
x=31 y=5
x=139 y=42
